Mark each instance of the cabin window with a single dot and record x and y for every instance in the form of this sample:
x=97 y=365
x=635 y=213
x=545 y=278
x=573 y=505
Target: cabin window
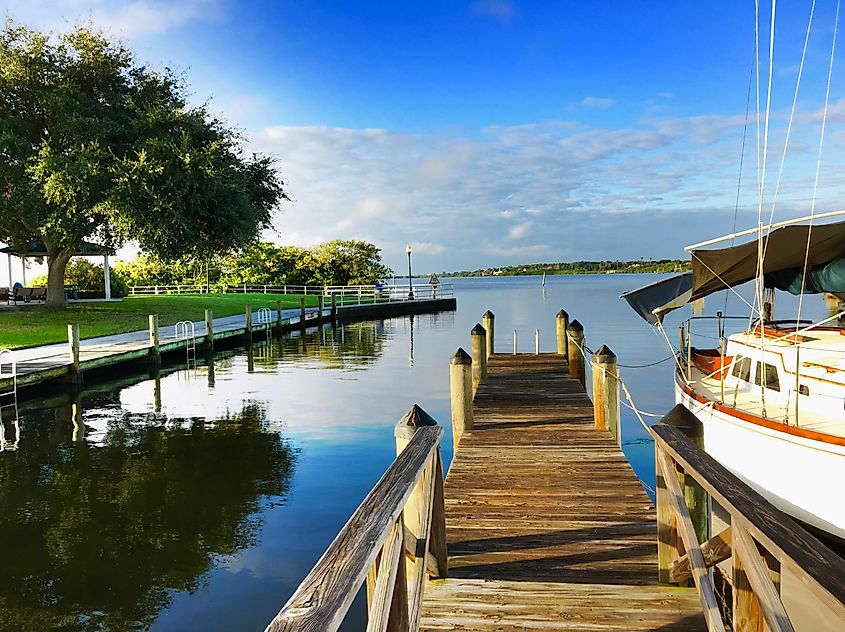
x=769 y=373
x=742 y=368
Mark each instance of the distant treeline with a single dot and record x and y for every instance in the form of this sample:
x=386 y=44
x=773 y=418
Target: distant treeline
x=580 y=267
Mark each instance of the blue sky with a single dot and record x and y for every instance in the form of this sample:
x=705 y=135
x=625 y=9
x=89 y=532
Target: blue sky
x=493 y=131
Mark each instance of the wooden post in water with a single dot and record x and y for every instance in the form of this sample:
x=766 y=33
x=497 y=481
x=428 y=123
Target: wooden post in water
x=154 y=352
x=279 y=317
x=302 y=312
x=248 y=322
x=209 y=328
x=575 y=340
x=606 y=392
x=561 y=323
x=488 y=321
x=320 y=310
x=478 y=339
x=460 y=388
x=73 y=348
x=334 y=309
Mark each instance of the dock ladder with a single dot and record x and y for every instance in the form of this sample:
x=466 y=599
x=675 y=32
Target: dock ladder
x=264 y=316
x=185 y=331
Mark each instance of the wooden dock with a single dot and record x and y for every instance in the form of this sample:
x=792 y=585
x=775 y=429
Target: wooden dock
x=541 y=523
x=547 y=525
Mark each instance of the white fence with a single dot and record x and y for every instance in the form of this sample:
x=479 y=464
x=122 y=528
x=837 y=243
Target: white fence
x=346 y=294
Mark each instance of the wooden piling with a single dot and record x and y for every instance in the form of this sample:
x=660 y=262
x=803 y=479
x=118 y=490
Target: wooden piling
x=415 y=514
x=334 y=309
x=561 y=324
x=209 y=328
x=279 y=318
x=460 y=388
x=488 y=321
x=478 y=337
x=248 y=322
x=606 y=392
x=575 y=340
x=694 y=494
x=154 y=341
x=73 y=347
x=302 y=312
x=320 y=310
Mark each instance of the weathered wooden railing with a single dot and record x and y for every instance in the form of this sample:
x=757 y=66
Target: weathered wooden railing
x=395 y=538
x=781 y=576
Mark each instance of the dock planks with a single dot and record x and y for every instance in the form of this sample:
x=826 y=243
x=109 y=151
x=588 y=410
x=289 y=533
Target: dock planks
x=547 y=525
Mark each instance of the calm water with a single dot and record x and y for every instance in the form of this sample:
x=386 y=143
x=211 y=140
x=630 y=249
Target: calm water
x=200 y=498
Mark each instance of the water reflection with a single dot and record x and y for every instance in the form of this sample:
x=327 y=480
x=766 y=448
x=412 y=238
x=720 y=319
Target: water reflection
x=100 y=530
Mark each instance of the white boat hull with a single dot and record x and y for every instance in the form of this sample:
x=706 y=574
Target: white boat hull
x=801 y=476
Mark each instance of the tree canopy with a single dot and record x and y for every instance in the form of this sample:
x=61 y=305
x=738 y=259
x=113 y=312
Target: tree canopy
x=94 y=145
x=339 y=262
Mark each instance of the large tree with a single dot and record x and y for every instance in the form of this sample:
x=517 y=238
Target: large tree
x=95 y=146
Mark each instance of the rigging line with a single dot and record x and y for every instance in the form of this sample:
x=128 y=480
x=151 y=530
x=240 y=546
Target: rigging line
x=818 y=160
x=789 y=125
x=742 y=155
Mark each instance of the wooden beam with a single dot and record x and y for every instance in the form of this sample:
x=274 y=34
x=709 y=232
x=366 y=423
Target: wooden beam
x=415 y=548
x=687 y=531
x=761 y=583
x=716 y=549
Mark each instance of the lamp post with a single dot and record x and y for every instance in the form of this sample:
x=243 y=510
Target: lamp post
x=410 y=276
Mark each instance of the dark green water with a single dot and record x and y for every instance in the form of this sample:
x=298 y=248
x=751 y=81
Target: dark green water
x=198 y=499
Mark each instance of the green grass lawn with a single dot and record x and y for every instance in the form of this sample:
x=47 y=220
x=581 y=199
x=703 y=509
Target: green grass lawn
x=35 y=325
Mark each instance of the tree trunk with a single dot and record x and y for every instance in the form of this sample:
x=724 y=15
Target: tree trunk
x=56 y=266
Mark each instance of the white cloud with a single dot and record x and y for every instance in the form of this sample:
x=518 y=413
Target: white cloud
x=520 y=230
x=133 y=20
x=597 y=102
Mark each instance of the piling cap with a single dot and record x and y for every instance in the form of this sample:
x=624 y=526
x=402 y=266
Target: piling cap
x=461 y=357
x=683 y=419
x=489 y=314
x=604 y=355
x=415 y=418
x=562 y=314
x=478 y=330
x=575 y=326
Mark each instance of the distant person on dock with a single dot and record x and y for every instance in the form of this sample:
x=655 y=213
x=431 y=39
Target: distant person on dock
x=433 y=282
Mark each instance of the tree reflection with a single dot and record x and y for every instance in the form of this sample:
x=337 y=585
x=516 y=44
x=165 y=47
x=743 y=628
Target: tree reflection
x=100 y=537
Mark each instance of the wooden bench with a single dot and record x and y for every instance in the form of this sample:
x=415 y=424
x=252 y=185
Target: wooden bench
x=29 y=294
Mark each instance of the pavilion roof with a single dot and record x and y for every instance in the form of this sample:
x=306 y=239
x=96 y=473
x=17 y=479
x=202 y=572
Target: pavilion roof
x=38 y=249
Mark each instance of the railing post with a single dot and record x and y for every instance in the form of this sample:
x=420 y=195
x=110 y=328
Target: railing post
x=209 y=328
x=73 y=348
x=694 y=494
x=302 y=312
x=666 y=529
x=154 y=353
x=404 y=432
x=561 y=323
x=606 y=392
x=488 y=321
x=460 y=388
x=575 y=339
x=479 y=355
x=334 y=309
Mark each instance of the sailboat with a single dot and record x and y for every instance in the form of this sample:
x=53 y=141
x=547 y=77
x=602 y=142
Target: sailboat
x=771 y=398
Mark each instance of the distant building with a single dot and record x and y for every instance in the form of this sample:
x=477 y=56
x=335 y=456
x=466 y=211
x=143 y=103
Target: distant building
x=487 y=272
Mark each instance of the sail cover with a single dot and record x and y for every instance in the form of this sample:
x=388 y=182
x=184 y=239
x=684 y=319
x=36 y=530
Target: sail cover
x=783 y=265
x=715 y=270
